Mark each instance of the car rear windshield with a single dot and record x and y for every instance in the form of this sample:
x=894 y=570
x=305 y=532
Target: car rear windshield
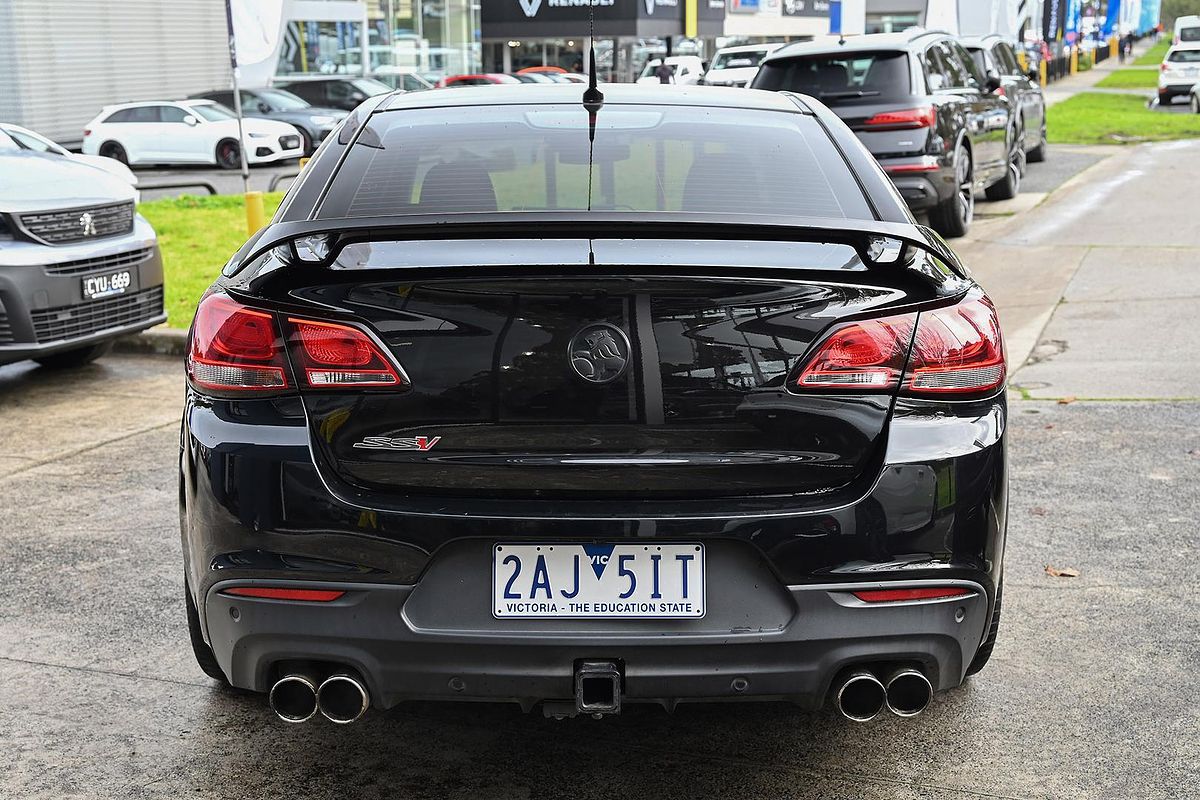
x=643 y=158
x=836 y=78
x=1184 y=55
x=741 y=60
x=1189 y=34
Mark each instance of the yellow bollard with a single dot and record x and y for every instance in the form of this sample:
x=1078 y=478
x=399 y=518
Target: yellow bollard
x=255 y=216
x=1074 y=60
x=303 y=161
x=1043 y=77
x=1114 y=46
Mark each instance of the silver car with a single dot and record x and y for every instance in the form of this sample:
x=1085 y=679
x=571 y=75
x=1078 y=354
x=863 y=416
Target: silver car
x=78 y=266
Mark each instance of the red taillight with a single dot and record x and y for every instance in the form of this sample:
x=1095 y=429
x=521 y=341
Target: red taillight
x=235 y=348
x=957 y=350
x=87 y=132
x=267 y=593
x=333 y=355
x=906 y=119
x=901 y=595
x=999 y=91
x=869 y=354
x=923 y=166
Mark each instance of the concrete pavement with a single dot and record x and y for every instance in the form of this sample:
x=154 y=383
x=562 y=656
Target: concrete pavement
x=1090 y=693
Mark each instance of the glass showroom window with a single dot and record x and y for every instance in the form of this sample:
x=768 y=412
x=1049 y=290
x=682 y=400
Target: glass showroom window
x=321 y=47
x=429 y=38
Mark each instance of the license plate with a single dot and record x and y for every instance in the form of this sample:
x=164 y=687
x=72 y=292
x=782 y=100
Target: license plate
x=96 y=287
x=598 y=581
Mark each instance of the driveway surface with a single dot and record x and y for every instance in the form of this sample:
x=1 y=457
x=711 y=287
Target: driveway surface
x=1091 y=692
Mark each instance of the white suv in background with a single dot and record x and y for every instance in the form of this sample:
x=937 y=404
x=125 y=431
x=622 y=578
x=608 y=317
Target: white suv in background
x=187 y=132
x=737 y=66
x=1179 y=72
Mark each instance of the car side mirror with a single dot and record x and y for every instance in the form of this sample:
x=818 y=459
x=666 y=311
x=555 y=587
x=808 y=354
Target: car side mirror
x=358 y=97
x=263 y=107
x=190 y=120
x=1035 y=76
x=993 y=82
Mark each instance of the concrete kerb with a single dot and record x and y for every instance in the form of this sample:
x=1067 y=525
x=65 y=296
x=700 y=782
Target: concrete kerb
x=159 y=340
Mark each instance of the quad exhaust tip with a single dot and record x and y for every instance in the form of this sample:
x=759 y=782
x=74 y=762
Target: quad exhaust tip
x=861 y=696
x=342 y=699
x=293 y=698
x=908 y=692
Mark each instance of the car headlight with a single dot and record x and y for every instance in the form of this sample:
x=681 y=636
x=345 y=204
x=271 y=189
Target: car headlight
x=323 y=120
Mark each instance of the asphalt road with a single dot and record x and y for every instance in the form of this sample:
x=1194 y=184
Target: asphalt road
x=1091 y=692
x=225 y=181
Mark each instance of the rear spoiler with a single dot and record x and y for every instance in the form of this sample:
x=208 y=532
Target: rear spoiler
x=317 y=242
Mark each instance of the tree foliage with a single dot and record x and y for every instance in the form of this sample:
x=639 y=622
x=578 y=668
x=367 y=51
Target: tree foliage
x=1177 y=8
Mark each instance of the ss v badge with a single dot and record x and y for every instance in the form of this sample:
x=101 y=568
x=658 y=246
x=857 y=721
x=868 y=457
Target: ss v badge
x=421 y=443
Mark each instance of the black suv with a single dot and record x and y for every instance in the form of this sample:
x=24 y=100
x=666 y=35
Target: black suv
x=994 y=56
x=923 y=109
x=343 y=93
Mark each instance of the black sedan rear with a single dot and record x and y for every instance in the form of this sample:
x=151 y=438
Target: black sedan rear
x=659 y=398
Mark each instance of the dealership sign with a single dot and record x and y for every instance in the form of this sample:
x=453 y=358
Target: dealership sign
x=515 y=19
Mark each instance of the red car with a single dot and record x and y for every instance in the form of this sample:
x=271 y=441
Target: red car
x=478 y=79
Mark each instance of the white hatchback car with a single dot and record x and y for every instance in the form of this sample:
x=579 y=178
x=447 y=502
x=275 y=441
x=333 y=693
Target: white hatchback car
x=187 y=132
x=1179 y=73
x=685 y=70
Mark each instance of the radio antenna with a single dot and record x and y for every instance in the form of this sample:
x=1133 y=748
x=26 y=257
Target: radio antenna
x=593 y=98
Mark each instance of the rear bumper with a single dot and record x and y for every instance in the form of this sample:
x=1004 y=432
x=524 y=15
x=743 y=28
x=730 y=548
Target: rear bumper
x=42 y=306
x=1175 y=89
x=416 y=615
x=921 y=189
x=371 y=630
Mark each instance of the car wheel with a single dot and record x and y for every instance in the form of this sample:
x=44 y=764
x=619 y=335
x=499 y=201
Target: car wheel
x=1007 y=187
x=1038 y=154
x=75 y=358
x=229 y=155
x=114 y=151
x=952 y=217
x=1196 y=104
x=204 y=654
x=306 y=142
x=984 y=653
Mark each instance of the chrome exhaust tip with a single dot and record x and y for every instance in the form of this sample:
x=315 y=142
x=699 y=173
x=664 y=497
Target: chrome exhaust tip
x=860 y=696
x=342 y=698
x=293 y=698
x=908 y=692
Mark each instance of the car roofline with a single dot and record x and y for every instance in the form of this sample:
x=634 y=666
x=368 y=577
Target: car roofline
x=860 y=43
x=521 y=94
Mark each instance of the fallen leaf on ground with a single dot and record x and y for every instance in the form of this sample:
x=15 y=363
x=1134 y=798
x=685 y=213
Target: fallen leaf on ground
x=1038 y=511
x=1066 y=401
x=1062 y=572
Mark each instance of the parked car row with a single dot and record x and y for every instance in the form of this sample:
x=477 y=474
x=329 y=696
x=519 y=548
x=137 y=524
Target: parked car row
x=945 y=118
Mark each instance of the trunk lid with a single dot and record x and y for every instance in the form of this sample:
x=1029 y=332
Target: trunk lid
x=592 y=375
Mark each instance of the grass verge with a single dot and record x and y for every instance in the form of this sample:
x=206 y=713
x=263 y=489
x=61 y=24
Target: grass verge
x=197 y=236
x=1154 y=56
x=1130 y=79
x=1095 y=118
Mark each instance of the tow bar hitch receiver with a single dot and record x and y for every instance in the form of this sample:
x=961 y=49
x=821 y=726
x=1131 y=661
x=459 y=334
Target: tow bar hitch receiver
x=597 y=688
